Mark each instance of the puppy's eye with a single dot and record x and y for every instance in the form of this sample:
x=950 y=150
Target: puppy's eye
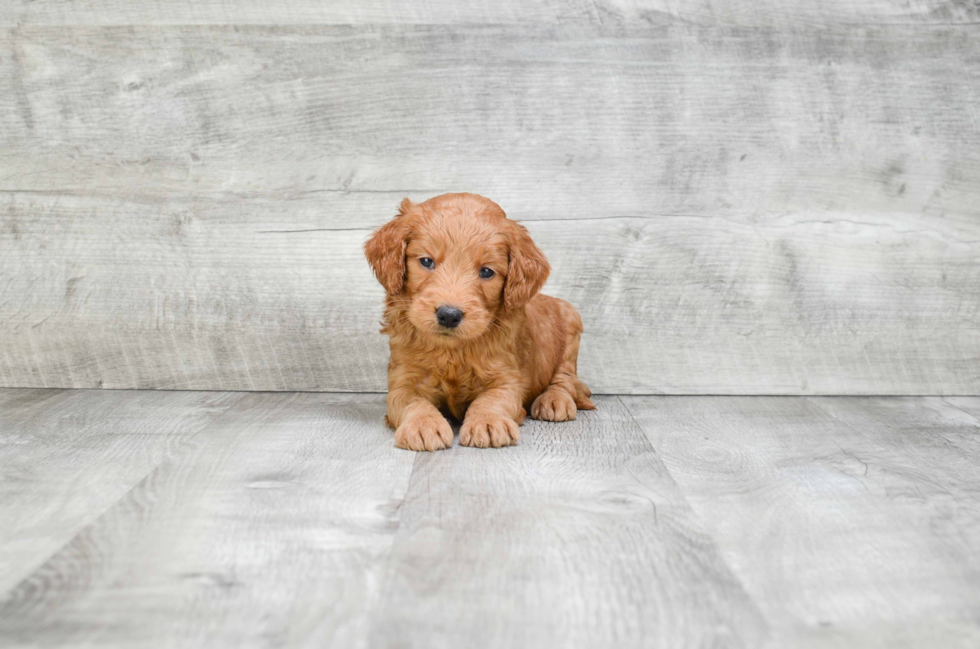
x=427 y=262
x=486 y=273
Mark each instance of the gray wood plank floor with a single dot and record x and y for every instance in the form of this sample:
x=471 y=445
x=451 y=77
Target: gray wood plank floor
x=143 y=519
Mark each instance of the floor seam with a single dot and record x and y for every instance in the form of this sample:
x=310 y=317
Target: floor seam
x=387 y=569
x=702 y=525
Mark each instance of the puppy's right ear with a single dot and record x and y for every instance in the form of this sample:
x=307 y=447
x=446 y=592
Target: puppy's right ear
x=385 y=250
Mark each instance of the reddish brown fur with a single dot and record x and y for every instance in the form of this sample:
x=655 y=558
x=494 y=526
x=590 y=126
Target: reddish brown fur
x=514 y=352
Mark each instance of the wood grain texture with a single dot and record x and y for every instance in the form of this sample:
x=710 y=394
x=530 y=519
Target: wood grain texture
x=66 y=457
x=236 y=299
x=970 y=405
x=552 y=122
x=734 y=210
x=290 y=520
x=577 y=537
x=759 y=13
x=851 y=521
x=268 y=530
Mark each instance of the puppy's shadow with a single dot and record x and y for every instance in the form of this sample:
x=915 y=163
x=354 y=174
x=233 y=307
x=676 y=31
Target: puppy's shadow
x=453 y=421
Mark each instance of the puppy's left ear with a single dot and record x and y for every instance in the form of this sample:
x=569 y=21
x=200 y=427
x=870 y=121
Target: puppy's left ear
x=527 y=271
x=385 y=250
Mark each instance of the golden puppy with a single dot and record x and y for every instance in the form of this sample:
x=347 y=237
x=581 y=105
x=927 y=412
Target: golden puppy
x=469 y=332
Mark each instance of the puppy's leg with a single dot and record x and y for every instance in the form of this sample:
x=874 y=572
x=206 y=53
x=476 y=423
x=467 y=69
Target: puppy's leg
x=565 y=395
x=418 y=424
x=492 y=419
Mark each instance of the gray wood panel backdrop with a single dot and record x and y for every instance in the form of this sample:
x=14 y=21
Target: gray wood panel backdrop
x=754 y=196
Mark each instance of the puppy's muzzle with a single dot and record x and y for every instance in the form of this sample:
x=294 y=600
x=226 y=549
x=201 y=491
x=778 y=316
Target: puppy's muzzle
x=449 y=317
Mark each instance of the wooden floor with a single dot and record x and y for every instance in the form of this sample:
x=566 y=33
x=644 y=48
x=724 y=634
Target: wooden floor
x=205 y=519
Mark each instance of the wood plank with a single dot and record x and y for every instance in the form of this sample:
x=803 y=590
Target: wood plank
x=970 y=405
x=270 y=529
x=291 y=12
x=948 y=428
x=16 y=404
x=552 y=122
x=68 y=456
x=758 y=13
x=577 y=537
x=853 y=522
x=818 y=304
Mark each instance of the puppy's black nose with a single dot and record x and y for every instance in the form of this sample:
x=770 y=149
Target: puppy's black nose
x=449 y=316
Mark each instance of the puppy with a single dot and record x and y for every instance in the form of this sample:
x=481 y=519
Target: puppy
x=469 y=333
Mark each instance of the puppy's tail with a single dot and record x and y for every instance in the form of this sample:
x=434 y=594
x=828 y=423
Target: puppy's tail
x=582 y=394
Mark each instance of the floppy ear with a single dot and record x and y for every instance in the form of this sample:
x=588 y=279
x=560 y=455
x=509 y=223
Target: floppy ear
x=527 y=272
x=385 y=250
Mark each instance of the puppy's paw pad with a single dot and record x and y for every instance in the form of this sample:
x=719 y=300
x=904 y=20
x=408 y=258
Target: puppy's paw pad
x=554 y=405
x=486 y=431
x=424 y=433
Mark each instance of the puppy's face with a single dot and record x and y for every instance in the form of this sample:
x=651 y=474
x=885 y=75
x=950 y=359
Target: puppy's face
x=455 y=272
x=458 y=263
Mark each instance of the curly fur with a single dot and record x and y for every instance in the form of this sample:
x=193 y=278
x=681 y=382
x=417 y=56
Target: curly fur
x=515 y=351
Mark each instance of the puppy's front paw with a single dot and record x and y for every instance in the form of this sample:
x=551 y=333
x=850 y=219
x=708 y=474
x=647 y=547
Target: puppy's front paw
x=424 y=433
x=484 y=431
x=554 y=404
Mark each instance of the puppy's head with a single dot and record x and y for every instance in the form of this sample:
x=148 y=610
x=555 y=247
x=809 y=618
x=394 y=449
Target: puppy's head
x=458 y=263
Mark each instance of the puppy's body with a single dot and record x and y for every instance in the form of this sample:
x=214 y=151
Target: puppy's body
x=520 y=350
x=468 y=332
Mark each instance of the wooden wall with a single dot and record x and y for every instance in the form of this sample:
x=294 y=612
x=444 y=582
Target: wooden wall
x=741 y=197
